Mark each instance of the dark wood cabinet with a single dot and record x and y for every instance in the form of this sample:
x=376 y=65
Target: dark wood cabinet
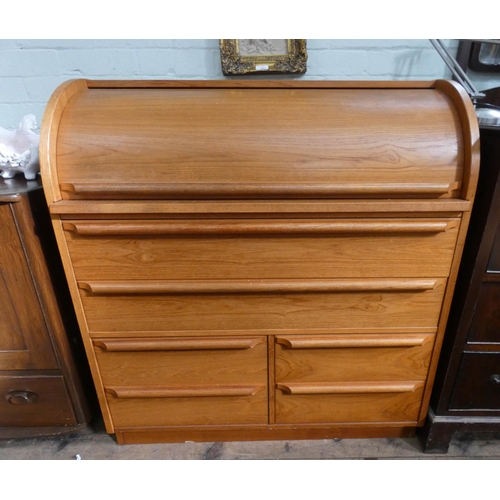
x=466 y=393
x=40 y=371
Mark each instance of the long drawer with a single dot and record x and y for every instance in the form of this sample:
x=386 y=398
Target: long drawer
x=185 y=381
x=265 y=249
x=350 y=378
x=256 y=305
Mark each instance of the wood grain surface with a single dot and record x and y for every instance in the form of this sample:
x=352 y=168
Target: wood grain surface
x=288 y=138
x=254 y=258
x=269 y=249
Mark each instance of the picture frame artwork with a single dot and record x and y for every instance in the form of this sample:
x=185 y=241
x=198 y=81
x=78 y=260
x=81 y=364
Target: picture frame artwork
x=245 y=56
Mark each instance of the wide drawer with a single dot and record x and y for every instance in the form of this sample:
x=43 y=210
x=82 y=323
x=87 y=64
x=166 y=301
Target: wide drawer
x=239 y=249
x=250 y=305
x=185 y=381
x=35 y=401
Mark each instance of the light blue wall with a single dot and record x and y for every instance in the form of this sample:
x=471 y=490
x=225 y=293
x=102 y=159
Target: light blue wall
x=30 y=70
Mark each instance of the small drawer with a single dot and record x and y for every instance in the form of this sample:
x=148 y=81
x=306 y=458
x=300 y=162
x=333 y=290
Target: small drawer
x=352 y=358
x=265 y=249
x=35 y=401
x=251 y=305
x=185 y=381
x=348 y=402
x=478 y=383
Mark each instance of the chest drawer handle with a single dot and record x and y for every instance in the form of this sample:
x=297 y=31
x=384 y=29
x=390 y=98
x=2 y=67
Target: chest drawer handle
x=138 y=345
x=184 y=391
x=21 y=397
x=220 y=190
x=304 y=388
x=495 y=379
x=355 y=340
x=257 y=286
x=249 y=228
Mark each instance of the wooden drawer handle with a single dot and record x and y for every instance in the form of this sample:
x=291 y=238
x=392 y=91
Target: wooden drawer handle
x=256 y=286
x=298 y=388
x=184 y=391
x=198 y=191
x=355 y=340
x=21 y=397
x=218 y=228
x=134 y=345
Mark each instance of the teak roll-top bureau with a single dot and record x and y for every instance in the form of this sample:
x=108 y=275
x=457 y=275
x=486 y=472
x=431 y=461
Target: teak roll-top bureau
x=260 y=259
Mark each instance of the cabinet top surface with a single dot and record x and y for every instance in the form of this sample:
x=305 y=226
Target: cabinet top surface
x=11 y=190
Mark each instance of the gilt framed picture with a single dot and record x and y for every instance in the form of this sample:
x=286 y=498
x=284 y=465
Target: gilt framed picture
x=245 y=56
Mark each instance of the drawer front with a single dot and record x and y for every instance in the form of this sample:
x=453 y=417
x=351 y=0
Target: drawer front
x=352 y=358
x=215 y=306
x=341 y=404
x=185 y=381
x=138 y=250
x=34 y=401
x=478 y=383
x=163 y=411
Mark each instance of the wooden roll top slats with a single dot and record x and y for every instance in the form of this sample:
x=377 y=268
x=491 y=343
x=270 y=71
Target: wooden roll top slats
x=199 y=141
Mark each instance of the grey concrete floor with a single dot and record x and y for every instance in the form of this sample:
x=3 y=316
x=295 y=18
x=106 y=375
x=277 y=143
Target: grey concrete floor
x=92 y=443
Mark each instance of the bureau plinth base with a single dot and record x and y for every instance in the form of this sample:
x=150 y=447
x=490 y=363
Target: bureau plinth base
x=150 y=435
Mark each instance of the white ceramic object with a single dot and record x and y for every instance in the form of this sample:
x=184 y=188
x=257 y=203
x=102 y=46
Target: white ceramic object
x=19 y=150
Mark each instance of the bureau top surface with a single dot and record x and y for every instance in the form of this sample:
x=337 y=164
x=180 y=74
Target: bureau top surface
x=11 y=190
x=257 y=140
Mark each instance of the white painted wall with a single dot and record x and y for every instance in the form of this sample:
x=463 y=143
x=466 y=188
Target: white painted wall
x=30 y=70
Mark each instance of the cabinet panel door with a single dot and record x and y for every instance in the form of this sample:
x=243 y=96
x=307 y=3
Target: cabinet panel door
x=485 y=326
x=23 y=333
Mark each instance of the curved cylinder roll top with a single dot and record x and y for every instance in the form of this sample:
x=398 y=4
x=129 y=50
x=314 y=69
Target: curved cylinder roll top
x=259 y=140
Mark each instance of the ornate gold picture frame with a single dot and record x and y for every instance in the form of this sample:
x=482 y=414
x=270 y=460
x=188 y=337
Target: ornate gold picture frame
x=243 y=56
